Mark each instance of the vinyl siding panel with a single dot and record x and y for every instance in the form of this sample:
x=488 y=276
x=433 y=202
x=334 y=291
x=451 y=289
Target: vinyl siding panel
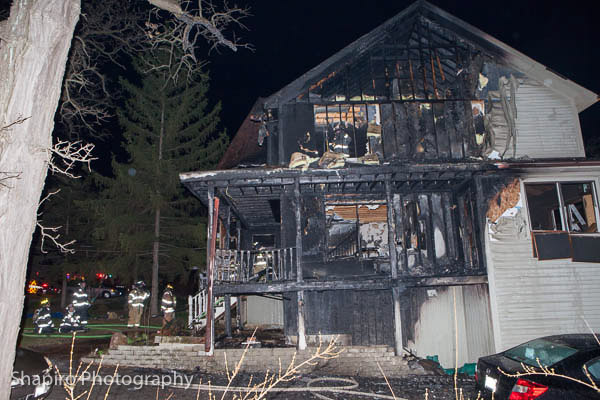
x=547 y=124
x=430 y=322
x=532 y=298
x=262 y=311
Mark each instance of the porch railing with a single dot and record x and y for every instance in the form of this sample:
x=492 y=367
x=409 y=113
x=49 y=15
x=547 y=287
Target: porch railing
x=197 y=308
x=266 y=265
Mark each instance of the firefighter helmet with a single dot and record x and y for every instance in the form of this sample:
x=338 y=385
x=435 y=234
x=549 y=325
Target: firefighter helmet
x=45 y=301
x=169 y=286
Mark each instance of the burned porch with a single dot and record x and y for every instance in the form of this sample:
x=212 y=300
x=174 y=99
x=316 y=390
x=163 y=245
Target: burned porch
x=321 y=238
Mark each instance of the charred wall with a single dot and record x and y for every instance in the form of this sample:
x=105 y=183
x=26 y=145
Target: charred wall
x=436 y=234
x=366 y=315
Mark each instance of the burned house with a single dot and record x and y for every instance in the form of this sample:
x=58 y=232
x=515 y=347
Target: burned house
x=423 y=188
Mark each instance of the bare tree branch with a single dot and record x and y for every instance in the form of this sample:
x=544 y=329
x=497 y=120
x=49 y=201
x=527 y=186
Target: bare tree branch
x=7 y=176
x=18 y=121
x=208 y=21
x=50 y=233
x=107 y=31
x=69 y=155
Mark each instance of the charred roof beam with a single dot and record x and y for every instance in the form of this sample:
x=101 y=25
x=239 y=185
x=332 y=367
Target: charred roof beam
x=229 y=200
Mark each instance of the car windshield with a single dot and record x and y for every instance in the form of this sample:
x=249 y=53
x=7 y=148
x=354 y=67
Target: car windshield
x=548 y=353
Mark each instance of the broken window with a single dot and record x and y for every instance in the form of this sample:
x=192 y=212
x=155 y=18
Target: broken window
x=356 y=230
x=559 y=213
x=350 y=129
x=562 y=206
x=544 y=207
x=580 y=209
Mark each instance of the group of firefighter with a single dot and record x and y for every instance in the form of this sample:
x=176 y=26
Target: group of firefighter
x=76 y=313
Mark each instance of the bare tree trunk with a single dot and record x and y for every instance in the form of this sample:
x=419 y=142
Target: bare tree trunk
x=154 y=298
x=156 y=247
x=34 y=43
x=63 y=291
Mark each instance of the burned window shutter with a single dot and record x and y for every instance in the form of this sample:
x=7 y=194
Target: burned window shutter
x=585 y=248
x=552 y=245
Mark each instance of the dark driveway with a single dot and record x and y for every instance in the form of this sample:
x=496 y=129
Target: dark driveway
x=143 y=384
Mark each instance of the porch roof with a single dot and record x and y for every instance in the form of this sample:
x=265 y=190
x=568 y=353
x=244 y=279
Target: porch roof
x=253 y=194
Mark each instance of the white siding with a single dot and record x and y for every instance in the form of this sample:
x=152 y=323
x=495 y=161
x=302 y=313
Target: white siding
x=531 y=298
x=434 y=331
x=262 y=311
x=547 y=124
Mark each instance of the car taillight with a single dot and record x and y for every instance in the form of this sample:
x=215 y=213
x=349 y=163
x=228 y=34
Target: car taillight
x=527 y=390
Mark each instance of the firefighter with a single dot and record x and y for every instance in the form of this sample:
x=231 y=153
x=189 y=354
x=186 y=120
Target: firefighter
x=168 y=305
x=341 y=140
x=42 y=318
x=137 y=298
x=81 y=305
x=71 y=321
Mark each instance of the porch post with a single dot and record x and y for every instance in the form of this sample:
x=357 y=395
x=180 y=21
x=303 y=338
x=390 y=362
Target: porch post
x=394 y=268
x=210 y=248
x=299 y=278
x=480 y=223
x=238 y=307
x=227 y=296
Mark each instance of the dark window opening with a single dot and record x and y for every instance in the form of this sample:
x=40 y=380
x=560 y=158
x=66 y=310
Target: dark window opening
x=356 y=231
x=568 y=206
x=579 y=204
x=544 y=207
x=560 y=215
x=352 y=130
x=275 y=205
x=263 y=241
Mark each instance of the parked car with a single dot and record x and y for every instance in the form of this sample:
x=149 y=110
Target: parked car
x=105 y=291
x=33 y=378
x=102 y=291
x=569 y=355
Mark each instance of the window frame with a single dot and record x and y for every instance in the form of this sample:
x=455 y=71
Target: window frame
x=358 y=239
x=324 y=131
x=586 y=365
x=562 y=208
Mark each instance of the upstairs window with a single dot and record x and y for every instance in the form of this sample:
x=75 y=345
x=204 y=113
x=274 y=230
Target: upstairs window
x=562 y=206
x=563 y=218
x=350 y=129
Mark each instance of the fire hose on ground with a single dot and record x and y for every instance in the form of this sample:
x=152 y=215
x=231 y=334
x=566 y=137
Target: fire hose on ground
x=348 y=389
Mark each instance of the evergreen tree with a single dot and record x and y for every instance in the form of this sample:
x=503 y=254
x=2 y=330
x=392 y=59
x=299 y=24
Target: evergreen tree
x=72 y=225
x=146 y=215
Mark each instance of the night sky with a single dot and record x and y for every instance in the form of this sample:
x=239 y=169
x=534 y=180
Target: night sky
x=291 y=37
